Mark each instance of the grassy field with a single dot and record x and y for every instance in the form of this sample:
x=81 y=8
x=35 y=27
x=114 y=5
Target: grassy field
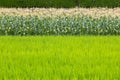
x=60 y=58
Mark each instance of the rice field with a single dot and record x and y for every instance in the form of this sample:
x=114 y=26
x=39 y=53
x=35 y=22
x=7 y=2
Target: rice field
x=55 y=55
x=60 y=58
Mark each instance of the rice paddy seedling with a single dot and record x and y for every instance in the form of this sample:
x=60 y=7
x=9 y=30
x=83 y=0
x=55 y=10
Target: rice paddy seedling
x=60 y=58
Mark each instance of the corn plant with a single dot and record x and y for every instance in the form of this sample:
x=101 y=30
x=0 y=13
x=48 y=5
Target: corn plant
x=78 y=25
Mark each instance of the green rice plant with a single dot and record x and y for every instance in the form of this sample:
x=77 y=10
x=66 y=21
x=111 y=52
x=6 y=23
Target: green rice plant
x=75 y=25
x=60 y=58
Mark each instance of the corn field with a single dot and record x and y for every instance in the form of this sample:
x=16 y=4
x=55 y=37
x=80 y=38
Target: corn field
x=59 y=25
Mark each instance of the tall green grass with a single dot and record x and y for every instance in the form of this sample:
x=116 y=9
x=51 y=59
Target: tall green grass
x=75 y=25
x=60 y=58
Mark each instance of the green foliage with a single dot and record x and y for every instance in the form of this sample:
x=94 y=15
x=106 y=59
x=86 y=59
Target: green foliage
x=60 y=58
x=37 y=3
x=60 y=3
x=76 y=25
x=99 y=3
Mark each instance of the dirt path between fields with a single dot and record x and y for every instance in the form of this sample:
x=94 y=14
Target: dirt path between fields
x=44 y=12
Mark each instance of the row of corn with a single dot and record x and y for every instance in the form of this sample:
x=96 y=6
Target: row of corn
x=75 y=25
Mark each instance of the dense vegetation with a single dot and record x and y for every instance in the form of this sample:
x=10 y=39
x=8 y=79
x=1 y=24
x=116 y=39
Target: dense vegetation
x=60 y=58
x=74 y=25
x=60 y=3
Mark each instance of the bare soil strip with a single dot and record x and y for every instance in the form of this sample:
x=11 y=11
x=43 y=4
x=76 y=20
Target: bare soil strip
x=51 y=12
